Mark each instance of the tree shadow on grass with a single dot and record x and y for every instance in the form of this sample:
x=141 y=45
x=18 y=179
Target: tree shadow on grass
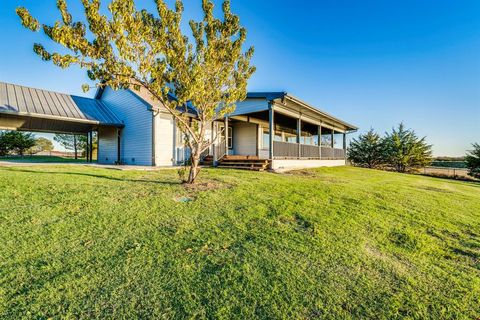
x=99 y=176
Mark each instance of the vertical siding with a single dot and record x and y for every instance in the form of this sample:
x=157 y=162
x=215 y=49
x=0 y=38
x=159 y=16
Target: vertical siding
x=107 y=145
x=245 y=138
x=136 y=139
x=164 y=139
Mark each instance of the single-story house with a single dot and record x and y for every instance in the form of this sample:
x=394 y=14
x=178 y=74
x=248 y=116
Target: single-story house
x=273 y=128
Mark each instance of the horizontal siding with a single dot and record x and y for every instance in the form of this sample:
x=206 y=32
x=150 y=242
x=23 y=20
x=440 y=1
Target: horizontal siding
x=250 y=106
x=136 y=137
x=107 y=145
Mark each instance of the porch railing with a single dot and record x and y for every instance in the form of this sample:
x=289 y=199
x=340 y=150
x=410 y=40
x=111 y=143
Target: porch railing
x=301 y=151
x=220 y=149
x=309 y=151
x=285 y=149
x=327 y=152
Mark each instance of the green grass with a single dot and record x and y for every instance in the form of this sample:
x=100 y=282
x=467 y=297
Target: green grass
x=332 y=243
x=41 y=159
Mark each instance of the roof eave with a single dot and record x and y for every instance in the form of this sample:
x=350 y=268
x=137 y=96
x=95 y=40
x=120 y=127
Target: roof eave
x=292 y=98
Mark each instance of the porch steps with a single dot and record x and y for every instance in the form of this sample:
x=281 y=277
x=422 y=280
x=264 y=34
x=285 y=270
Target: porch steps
x=244 y=163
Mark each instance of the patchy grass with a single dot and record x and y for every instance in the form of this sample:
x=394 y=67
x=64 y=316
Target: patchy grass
x=331 y=243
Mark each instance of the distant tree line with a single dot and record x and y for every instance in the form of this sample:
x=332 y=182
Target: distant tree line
x=16 y=142
x=400 y=150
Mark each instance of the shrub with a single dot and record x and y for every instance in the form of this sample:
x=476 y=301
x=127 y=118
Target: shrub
x=473 y=161
x=404 y=151
x=366 y=151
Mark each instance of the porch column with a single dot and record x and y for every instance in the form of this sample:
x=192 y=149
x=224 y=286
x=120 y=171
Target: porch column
x=332 y=142
x=319 y=140
x=226 y=135
x=299 y=134
x=212 y=137
x=344 y=145
x=271 y=128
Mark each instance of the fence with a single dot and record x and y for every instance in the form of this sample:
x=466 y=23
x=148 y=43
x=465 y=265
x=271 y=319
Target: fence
x=446 y=172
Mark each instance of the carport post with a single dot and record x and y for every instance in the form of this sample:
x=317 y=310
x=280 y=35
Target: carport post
x=91 y=146
x=87 y=151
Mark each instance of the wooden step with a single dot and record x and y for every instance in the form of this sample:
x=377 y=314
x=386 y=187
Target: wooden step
x=244 y=163
x=241 y=168
x=238 y=157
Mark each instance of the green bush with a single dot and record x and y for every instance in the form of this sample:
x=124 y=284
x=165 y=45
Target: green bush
x=473 y=161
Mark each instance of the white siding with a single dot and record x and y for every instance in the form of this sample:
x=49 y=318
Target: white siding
x=164 y=139
x=136 y=137
x=249 y=106
x=107 y=145
x=245 y=139
x=299 y=164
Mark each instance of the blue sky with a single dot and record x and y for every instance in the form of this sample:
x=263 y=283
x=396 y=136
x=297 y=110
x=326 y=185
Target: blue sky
x=371 y=63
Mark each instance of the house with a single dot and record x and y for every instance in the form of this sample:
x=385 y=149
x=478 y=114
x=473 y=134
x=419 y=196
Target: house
x=267 y=128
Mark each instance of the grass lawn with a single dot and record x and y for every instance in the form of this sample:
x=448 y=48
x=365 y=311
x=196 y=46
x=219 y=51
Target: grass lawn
x=332 y=243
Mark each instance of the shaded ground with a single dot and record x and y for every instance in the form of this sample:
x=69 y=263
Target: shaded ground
x=85 y=242
x=41 y=159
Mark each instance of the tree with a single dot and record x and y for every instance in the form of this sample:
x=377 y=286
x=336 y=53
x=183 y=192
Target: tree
x=41 y=144
x=472 y=160
x=367 y=150
x=16 y=142
x=404 y=151
x=72 y=142
x=136 y=49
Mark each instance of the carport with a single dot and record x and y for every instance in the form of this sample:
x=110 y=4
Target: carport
x=29 y=109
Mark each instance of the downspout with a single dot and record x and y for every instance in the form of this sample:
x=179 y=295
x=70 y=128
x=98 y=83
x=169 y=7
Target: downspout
x=153 y=138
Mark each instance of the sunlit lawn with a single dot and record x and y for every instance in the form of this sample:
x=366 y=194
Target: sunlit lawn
x=333 y=243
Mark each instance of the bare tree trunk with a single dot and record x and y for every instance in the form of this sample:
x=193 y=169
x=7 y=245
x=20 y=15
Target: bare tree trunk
x=195 y=160
x=75 y=146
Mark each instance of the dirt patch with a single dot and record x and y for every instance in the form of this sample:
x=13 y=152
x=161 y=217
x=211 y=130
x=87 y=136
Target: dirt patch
x=205 y=186
x=301 y=172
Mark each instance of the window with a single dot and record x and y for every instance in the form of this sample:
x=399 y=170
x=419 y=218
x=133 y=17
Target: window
x=265 y=139
x=230 y=136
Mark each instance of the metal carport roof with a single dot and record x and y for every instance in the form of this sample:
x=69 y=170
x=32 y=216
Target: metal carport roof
x=25 y=108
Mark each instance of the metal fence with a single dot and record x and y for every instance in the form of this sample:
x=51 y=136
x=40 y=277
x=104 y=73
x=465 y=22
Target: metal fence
x=446 y=172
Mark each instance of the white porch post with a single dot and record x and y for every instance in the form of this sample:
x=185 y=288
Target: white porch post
x=271 y=129
x=226 y=135
x=212 y=136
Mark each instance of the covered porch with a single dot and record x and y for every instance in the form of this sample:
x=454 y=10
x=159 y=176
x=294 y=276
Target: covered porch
x=287 y=134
